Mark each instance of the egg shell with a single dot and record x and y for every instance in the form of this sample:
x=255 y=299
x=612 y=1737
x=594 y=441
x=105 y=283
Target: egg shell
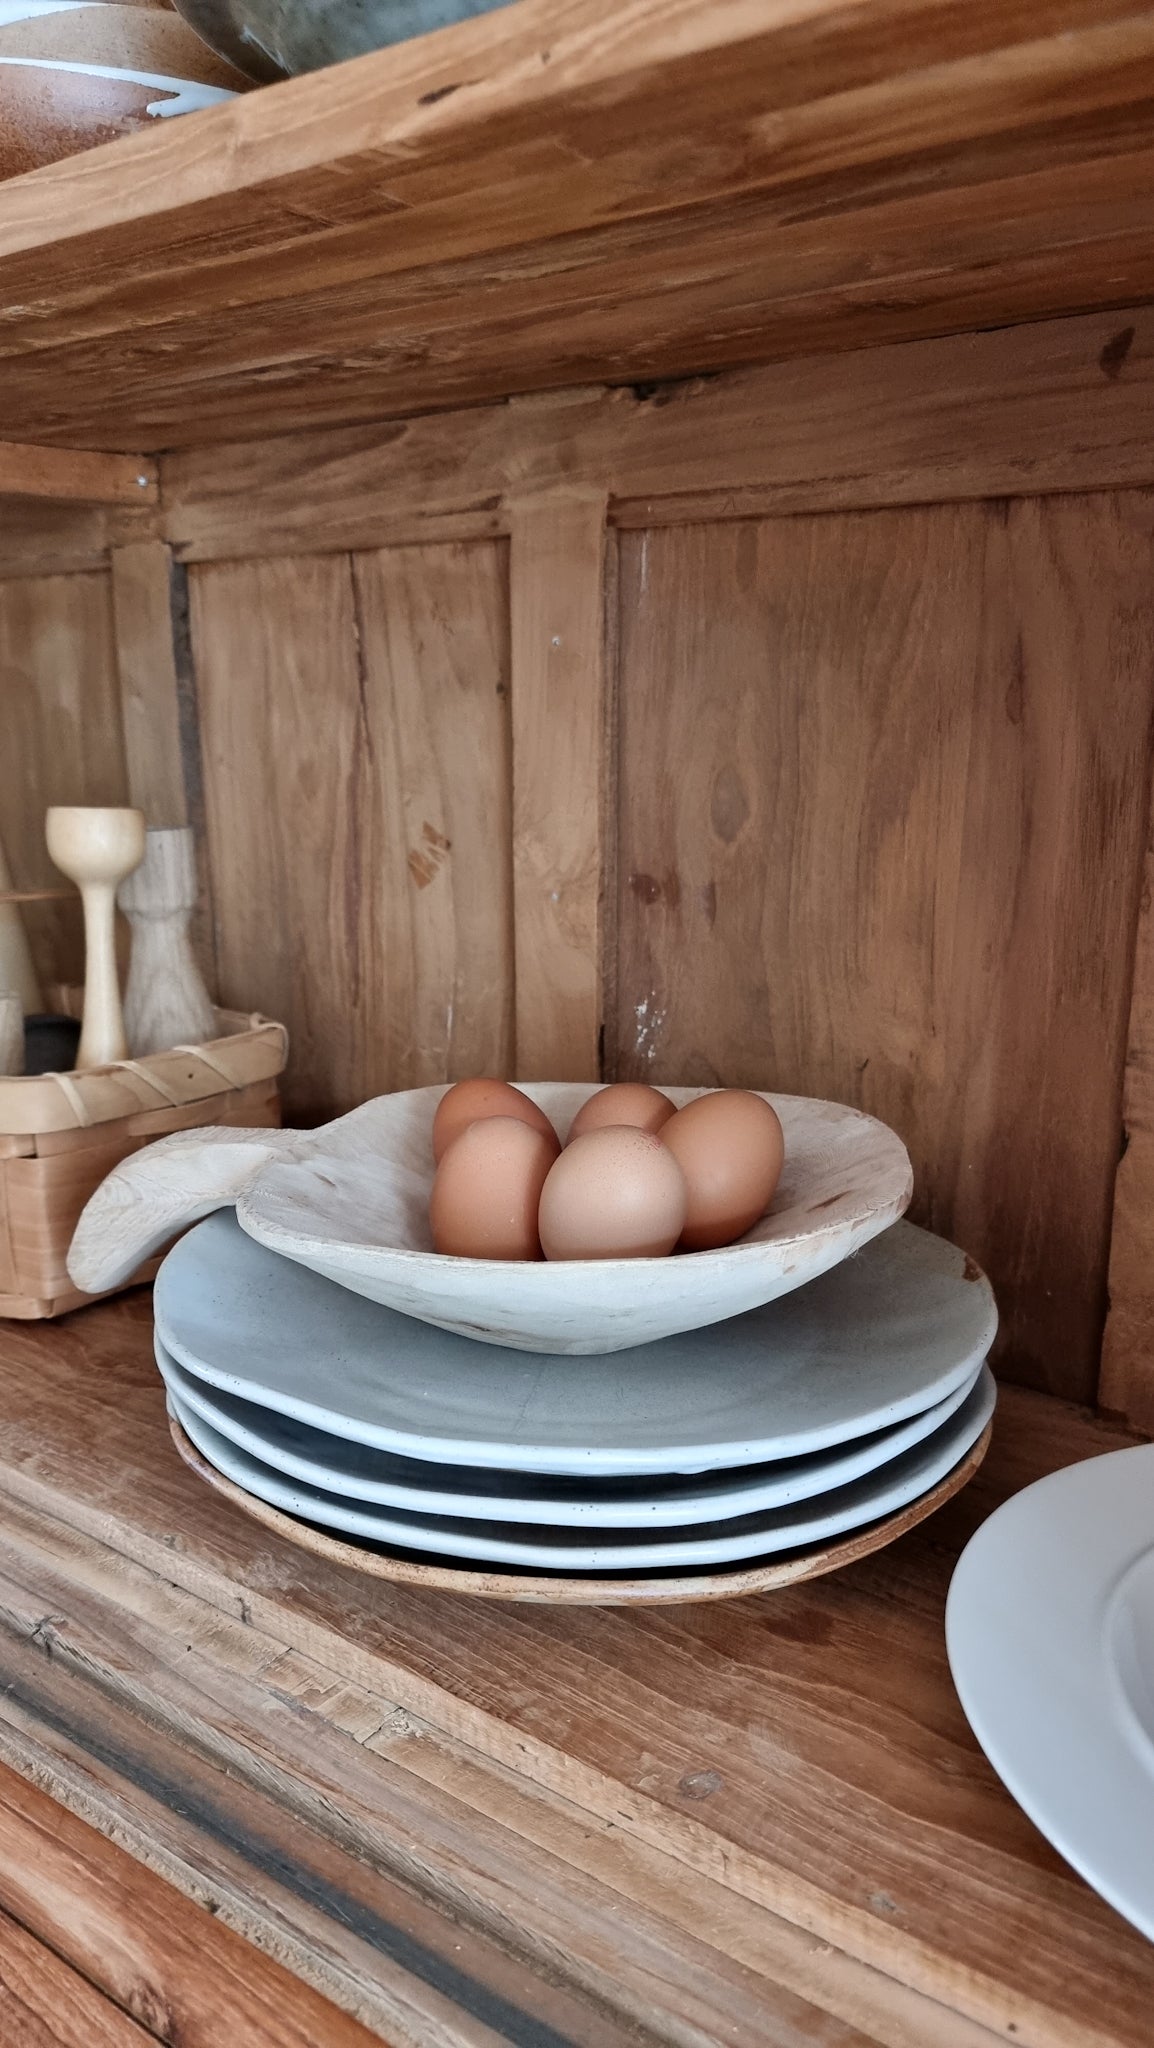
x=468 y=1101
x=624 y=1102
x=730 y=1148
x=487 y=1190
x=615 y=1193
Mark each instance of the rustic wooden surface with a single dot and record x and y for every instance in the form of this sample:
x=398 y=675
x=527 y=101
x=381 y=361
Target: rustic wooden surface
x=572 y=190
x=141 y=583
x=63 y=741
x=99 y=1936
x=358 y=811
x=87 y=476
x=556 y=603
x=764 y=1820
x=1127 y=1378
x=433 y=635
x=971 y=416
x=882 y=818
x=45 y=2004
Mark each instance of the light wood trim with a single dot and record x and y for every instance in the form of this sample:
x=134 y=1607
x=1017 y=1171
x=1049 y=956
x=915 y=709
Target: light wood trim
x=556 y=602
x=79 y=475
x=146 y=659
x=972 y=416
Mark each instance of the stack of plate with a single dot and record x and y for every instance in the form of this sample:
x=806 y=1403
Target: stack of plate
x=765 y=1448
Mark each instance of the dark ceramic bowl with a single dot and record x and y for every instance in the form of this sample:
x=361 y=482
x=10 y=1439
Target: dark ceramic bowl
x=272 y=39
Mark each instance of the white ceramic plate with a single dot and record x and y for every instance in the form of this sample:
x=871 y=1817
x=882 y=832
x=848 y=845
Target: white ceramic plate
x=759 y=1535
x=884 y=1336
x=355 y=1472
x=1050 y=1632
x=355 y=1209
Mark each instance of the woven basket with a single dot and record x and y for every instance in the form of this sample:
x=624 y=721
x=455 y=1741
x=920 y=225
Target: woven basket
x=61 y=1133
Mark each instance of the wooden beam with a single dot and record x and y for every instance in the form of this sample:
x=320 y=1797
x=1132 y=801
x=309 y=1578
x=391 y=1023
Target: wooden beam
x=556 y=601
x=973 y=416
x=550 y=194
x=76 y=475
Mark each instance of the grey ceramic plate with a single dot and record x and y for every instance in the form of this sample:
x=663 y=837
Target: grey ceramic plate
x=379 y=1478
x=882 y=1337
x=270 y=39
x=808 y=1522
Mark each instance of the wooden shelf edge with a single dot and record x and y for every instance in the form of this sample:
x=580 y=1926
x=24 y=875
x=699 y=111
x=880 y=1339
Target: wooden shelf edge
x=82 y=476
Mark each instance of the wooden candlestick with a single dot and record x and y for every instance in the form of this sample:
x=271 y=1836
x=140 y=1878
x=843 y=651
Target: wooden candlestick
x=96 y=849
x=166 y=1002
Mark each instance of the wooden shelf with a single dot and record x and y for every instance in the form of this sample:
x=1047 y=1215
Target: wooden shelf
x=735 y=1821
x=576 y=190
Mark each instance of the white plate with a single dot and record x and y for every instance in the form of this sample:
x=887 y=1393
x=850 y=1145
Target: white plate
x=355 y=1209
x=355 y=1472
x=881 y=1338
x=760 y=1535
x=1050 y=1631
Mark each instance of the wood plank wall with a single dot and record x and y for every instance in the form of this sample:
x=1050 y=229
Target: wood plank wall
x=63 y=737
x=767 y=729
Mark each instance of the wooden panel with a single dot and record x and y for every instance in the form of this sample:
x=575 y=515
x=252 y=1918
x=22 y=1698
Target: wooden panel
x=63 y=741
x=332 y=779
x=1126 y=1386
x=44 y=2004
x=552 y=194
x=185 y=1977
x=784 y=1784
x=556 y=585
x=38 y=538
x=77 y=473
x=434 y=639
x=880 y=840
x=978 y=415
x=146 y=663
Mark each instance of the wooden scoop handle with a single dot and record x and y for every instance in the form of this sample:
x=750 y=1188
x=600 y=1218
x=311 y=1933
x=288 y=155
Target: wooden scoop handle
x=160 y=1190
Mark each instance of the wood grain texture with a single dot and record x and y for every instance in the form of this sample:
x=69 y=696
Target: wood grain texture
x=75 y=473
x=1126 y=1385
x=174 y=1972
x=141 y=581
x=971 y=416
x=39 y=538
x=576 y=191
x=433 y=633
x=654 y=1802
x=556 y=602
x=63 y=738
x=881 y=831
x=360 y=858
x=44 y=2004
x=446 y=1902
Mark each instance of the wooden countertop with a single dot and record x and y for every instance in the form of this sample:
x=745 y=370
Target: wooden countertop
x=762 y=1821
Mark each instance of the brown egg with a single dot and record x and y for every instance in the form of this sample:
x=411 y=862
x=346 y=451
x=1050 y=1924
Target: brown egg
x=469 y=1101
x=487 y=1190
x=613 y=1194
x=730 y=1148
x=626 y=1102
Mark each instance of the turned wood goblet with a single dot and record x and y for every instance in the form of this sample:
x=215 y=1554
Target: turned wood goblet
x=96 y=848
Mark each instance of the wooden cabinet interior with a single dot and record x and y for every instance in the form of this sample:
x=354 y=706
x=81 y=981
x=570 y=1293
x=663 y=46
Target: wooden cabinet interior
x=787 y=723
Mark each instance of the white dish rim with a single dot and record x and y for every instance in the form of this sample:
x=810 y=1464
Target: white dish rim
x=637 y=1558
